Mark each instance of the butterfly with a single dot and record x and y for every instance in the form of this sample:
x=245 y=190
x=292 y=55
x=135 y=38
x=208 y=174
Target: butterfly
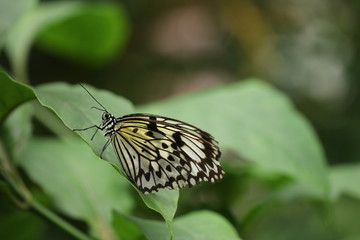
x=157 y=152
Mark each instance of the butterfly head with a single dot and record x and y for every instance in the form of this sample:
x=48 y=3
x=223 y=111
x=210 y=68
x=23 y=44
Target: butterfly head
x=108 y=121
x=106 y=116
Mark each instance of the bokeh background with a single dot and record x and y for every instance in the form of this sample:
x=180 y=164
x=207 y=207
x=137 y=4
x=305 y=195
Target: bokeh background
x=151 y=50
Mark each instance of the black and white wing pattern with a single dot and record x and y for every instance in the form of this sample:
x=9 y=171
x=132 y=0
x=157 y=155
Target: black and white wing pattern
x=157 y=152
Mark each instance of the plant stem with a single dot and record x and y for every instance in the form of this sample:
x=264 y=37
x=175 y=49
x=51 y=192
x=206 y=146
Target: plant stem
x=8 y=170
x=59 y=221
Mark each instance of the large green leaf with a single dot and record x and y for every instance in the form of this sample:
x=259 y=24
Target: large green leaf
x=125 y=229
x=90 y=33
x=204 y=225
x=13 y=94
x=165 y=202
x=17 y=129
x=72 y=105
x=345 y=179
x=81 y=186
x=93 y=35
x=22 y=35
x=258 y=123
x=10 y=12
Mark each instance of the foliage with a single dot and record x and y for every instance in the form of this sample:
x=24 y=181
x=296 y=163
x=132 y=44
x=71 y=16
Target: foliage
x=276 y=171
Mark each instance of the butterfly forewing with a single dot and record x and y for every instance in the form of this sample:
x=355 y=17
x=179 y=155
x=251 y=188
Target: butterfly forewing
x=158 y=152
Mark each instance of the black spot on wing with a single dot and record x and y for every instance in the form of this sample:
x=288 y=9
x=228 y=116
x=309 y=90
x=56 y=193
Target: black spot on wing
x=151 y=168
x=182 y=162
x=149 y=133
x=177 y=139
x=152 y=124
x=203 y=167
x=176 y=153
x=147 y=176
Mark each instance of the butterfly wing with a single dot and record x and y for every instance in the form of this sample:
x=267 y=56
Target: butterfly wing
x=158 y=152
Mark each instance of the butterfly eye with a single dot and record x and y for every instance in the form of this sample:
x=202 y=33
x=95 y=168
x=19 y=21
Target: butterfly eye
x=105 y=116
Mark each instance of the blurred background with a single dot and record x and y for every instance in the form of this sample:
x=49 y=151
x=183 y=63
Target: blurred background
x=151 y=50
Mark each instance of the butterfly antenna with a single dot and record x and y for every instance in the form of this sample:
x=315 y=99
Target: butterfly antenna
x=104 y=109
x=98 y=109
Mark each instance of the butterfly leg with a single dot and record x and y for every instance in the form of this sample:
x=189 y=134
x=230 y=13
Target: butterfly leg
x=83 y=129
x=104 y=147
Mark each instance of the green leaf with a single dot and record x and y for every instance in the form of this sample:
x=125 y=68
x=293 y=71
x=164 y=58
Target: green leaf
x=15 y=116
x=125 y=229
x=204 y=225
x=22 y=35
x=81 y=186
x=92 y=36
x=10 y=12
x=194 y=226
x=153 y=230
x=86 y=32
x=345 y=179
x=13 y=94
x=72 y=105
x=17 y=129
x=258 y=123
x=165 y=202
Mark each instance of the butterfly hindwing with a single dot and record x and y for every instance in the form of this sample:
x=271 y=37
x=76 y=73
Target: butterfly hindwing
x=157 y=152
